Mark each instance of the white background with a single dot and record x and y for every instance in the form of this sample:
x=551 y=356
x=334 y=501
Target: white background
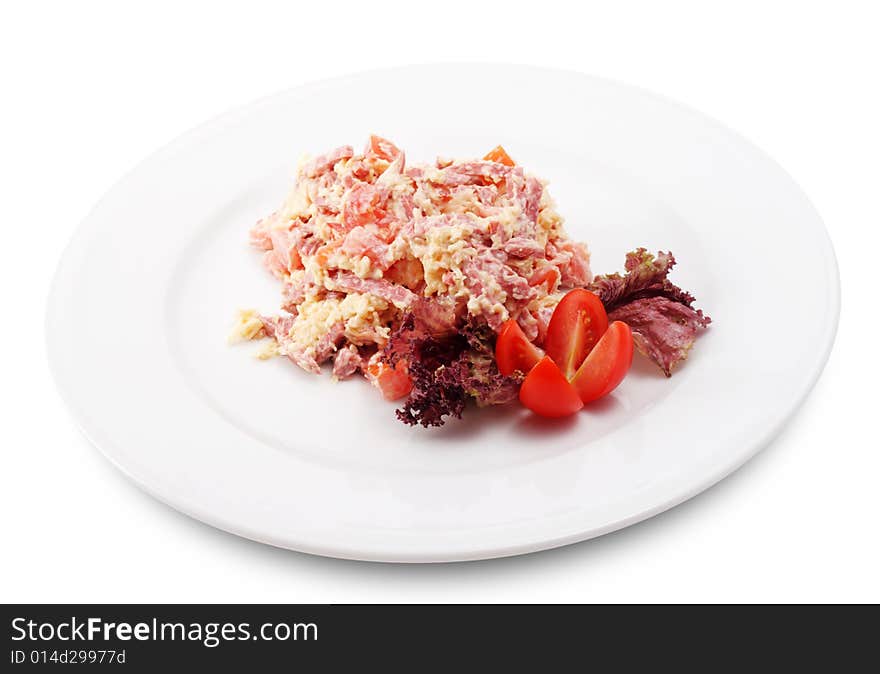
x=91 y=88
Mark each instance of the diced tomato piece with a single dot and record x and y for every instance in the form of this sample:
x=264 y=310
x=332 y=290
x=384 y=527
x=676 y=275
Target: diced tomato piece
x=578 y=322
x=295 y=259
x=606 y=365
x=498 y=154
x=394 y=382
x=547 y=392
x=513 y=351
x=547 y=275
x=383 y=148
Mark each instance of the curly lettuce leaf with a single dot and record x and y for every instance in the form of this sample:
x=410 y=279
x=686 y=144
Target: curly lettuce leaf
x=447 y=371
x=660 y=314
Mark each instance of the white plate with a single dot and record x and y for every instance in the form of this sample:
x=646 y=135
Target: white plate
x=145 y=294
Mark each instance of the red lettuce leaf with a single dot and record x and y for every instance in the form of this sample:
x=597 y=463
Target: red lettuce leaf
x=661 y=315
x=447 y=371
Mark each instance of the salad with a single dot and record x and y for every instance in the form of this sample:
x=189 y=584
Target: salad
x=455 y=282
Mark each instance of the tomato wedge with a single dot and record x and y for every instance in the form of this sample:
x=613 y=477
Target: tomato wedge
x=498 y=154
x=513 y=350
x=606 y=365
x=578 y=322
x=547 y=392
